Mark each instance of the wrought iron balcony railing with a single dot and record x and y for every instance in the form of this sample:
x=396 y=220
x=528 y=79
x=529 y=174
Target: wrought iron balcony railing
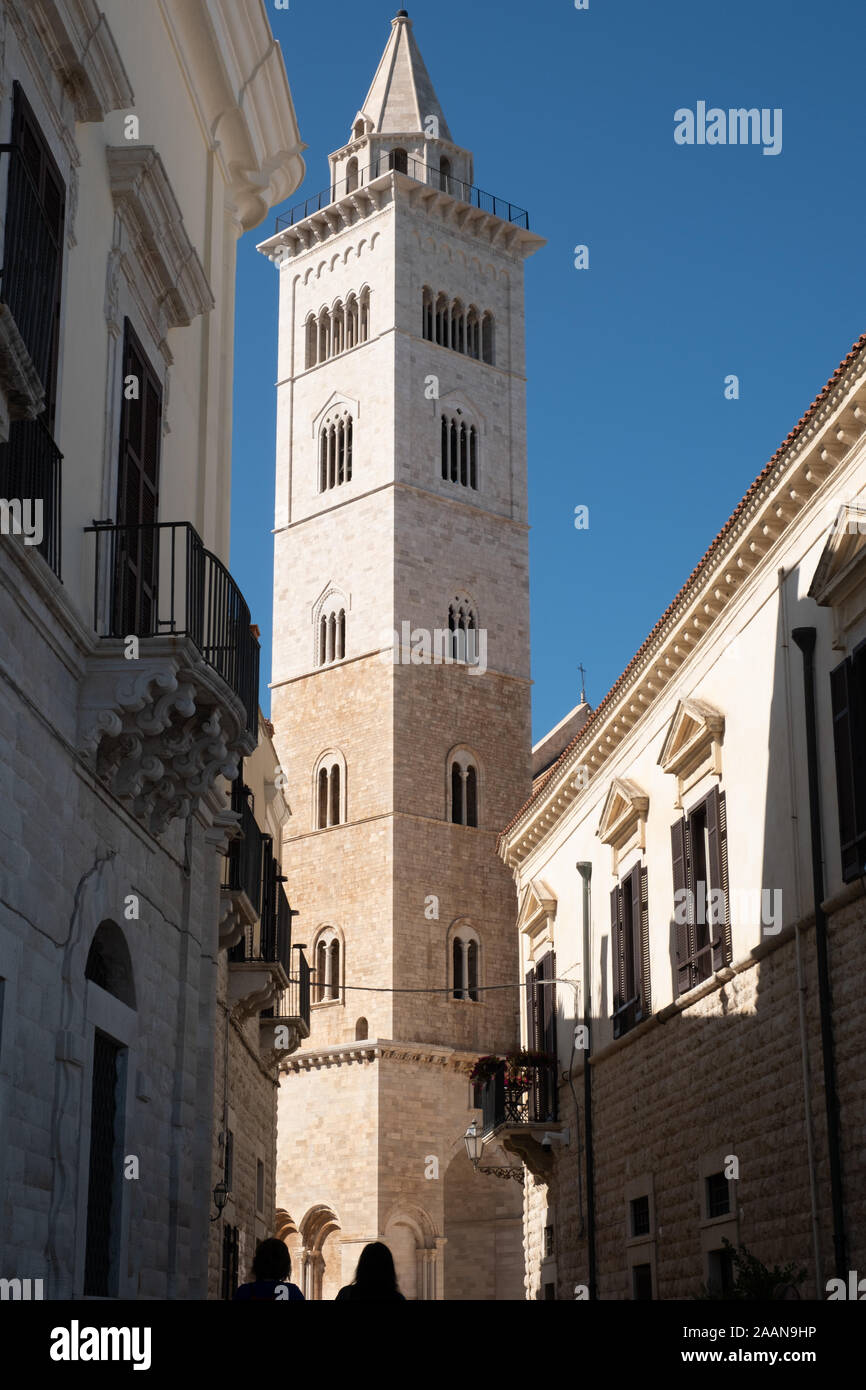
x=32 y=261
x=419 y=171
x=243 y=872
x=527 y=1098
x=30 y=476
x=158 y=580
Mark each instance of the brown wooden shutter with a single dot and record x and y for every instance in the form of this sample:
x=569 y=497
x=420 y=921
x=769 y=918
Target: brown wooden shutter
x=531 y=1012
x=640 y=899
x=547 y=1003
x=618 y=948
x=718 y=930
x=683 y=930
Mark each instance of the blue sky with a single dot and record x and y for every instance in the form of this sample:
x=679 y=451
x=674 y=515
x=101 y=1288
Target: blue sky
x=704 y=261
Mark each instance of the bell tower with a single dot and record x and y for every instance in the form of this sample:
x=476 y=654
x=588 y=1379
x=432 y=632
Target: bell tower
x=401 y=690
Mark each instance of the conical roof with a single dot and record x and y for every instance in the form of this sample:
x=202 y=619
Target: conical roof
x=401 y=98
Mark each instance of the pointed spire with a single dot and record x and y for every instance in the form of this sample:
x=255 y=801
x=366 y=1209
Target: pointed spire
x=401 y=98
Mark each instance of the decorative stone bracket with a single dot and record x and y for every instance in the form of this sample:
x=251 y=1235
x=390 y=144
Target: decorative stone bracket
x=254 y=985
x=161 y=729
x=538 y=1160
x=271 y=1054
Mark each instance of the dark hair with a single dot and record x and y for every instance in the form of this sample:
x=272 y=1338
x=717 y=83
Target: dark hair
x=272 y=1261
x=375 y=1272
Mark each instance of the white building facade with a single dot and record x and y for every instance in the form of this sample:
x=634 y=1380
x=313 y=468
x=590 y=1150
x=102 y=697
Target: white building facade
x=696 y=979
x=141 y=141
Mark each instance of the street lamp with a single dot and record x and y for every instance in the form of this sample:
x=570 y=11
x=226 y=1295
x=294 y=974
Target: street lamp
x=474 y=1149
x=220 y=1197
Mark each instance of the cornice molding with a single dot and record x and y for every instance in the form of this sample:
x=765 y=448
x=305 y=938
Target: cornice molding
x=146 y=203
x=82 y=50
x=347 y=1054
x=746 y=548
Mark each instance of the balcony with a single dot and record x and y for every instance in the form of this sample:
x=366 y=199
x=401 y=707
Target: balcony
x=519 y=1105
x=170 y=701
x=241 y=888
x=260 y=960
x=285 y=1026
x=414 y=169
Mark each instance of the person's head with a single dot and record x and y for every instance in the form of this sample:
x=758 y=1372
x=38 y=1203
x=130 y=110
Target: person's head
x=376 y=1269
x=272 y=1261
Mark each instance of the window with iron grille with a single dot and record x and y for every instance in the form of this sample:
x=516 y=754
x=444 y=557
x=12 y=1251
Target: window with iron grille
x=640 y=1216
x=104 y=1169
x=700 y=874
x=848 y=696
x=629 y=909
x=718 y=1195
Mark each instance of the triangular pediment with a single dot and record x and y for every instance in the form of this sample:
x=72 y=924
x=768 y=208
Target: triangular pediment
x=624 y=804
x=537 y=906
x=843 y=560
x=695 y=727
x=336 y=398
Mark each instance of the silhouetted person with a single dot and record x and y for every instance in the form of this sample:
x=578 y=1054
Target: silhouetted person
x=375 y=1277
x=271 y=1269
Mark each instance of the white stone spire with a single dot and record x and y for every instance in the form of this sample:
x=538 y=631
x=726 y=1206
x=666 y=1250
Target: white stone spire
x=401 y=99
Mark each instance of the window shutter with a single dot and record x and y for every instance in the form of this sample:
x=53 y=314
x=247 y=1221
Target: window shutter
x=843 y=695
x=531 y=1002
x=618 y=947
x=640 y=898
x=683 y=929
x=718 y=928
x=548 y=1004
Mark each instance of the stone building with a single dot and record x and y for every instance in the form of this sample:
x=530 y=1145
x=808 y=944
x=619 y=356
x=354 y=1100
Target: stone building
x=138 y=142
x=400 y=688
x=263 y=1015
x=690 y=875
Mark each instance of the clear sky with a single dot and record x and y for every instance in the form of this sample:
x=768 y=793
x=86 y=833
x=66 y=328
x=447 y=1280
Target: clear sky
x=704 y=262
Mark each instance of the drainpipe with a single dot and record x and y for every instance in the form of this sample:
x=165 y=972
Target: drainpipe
x=585 y=871
x=805 y=638
x=798 y=940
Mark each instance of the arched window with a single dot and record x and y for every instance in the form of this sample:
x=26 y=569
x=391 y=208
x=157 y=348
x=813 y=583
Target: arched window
x=473 y=332
x=364 y=317
x=465 y=962
x=312 y=336
x=336 y=440
x=487 y=346
x=329 y=631
x=324 y=336
x=362 y=1030
x=351 y=321
x=337 y=327
x=458 y=338
x=459 y=450
x=329 y=791
x=427 y=314
x=352 y=174
x=109 y=963
x=463 y=629
x=359 y=129
x=445 y=174
x=442 y=326
x=327 y=955
x=400 y=161
x=463 y=788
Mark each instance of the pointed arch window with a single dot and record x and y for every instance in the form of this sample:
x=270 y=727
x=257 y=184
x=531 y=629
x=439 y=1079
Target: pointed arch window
x=427 y=315
x=463 y=788
x=364 y=317
x=352 y=174
x=465 y=962
x=312 y=341
x=336 y=445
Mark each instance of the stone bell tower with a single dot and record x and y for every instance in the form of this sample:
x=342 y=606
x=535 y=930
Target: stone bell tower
x=401 y=689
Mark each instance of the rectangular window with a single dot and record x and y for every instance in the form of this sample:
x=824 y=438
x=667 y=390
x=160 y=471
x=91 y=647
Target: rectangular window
x=104 y=1165
x=548 y=1242
x=137 y=555
x=541 y=1035
x=720 y=1270
x=640 y=1216
x=260 y=1185
x=231 y=1244
x=550 y=1293
x=718 y=1195
x=700 y=877
x=848 y=697
x=630 y=941
x=642 y=1283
